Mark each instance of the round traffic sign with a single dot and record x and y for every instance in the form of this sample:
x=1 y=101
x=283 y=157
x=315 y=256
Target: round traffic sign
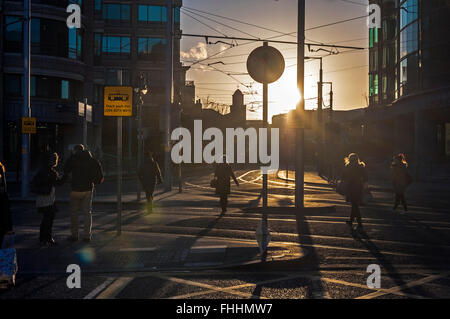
x=265 y=64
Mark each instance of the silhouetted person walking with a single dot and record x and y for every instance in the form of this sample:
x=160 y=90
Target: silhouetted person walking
x=222 y=174
x=43 y=185
x=5 y=211
x=86 y=172
x=355 y=178
x=401 y=179
x=150 y=174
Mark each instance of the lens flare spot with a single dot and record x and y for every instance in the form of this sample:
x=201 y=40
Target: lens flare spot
x=86 y=255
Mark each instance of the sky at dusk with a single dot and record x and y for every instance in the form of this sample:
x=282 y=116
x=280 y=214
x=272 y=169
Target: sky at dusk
x=348 y=71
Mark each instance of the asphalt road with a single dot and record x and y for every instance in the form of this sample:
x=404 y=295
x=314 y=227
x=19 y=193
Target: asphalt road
x=412 y=250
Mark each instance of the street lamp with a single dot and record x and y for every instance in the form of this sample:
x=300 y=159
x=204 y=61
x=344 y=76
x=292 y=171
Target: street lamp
x=140 y=136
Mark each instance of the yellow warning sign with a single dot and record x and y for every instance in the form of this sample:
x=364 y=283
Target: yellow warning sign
x=28 y=125
x=118 y=101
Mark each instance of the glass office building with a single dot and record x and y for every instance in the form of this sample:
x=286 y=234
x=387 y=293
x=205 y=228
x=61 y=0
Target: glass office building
x=409 y=82
x=119 y=42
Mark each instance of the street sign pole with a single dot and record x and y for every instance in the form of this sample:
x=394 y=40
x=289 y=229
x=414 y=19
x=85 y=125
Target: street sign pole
x=119 y=175
x=265 y=119
x=26 y=111
x=300 y=142
x=265 y=65
x=118 y=102
x=140 y=143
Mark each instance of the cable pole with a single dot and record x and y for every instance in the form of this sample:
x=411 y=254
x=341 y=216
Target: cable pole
x=169 y=94
x=300 y=142
x=26 y=111
x=320 y=134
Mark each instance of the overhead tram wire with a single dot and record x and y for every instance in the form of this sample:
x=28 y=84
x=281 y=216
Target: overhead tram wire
x=225 y=25
x=251 y=41
x=206 y=25
x=239 y=21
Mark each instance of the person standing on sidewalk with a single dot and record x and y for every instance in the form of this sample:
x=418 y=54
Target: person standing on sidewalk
x=401 y=179
x=86 y=172
x=222 y=175
x=44 y=185
x=355 y=180
x=5 y=211
x=149 y=175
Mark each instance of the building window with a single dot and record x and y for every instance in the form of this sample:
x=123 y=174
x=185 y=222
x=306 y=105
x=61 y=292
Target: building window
x=409 y=39
x=112 y=45
x=43 y=87
x=176 y=15
x=119 y=12
x=409 y=12
x=35 y=30
x=32 y=86
x=75 y=43
x=375 y=84
x=64 y=89
x=148 y=13
x=98 y=5
x=152 y=48
x=97 y=44
x=13 y=84
x=13 y=34
x=409 y=74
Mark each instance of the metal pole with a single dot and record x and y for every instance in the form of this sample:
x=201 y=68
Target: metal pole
x=119 y=175
x=140 y=142
x=169 y=88
x=85 y=124
x=119 y=171
x=321 y=159
x=299 y=162
x=180 y=176
x=26 y=111
x=265 y=118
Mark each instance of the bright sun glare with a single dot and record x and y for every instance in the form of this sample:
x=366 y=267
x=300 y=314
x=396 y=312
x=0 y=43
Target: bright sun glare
x=284 y=94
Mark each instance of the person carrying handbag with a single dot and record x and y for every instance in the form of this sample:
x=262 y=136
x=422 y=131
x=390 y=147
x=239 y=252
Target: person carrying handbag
x=5 y=211
x=43 y=185
x=222 y=174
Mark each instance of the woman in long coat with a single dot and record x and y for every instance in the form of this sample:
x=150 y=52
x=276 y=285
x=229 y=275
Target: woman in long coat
x=222 y=174
x=44 y=185
x=401 y=179
x=5 y=212
x=355 y=177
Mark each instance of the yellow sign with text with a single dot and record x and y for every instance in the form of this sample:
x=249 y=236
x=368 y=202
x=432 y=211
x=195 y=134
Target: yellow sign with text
x=118 y=101
x=28 y=125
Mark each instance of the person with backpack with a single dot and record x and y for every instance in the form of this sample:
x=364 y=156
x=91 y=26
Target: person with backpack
x=354 y=181
x=5 y=211
x=149 y=175
x=43 y=185
x=222 y=174
x=86 y=172
x=401 y=179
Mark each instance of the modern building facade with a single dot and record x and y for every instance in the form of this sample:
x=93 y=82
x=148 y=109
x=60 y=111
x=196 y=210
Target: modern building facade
x=119 y=43
x=409 y=84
